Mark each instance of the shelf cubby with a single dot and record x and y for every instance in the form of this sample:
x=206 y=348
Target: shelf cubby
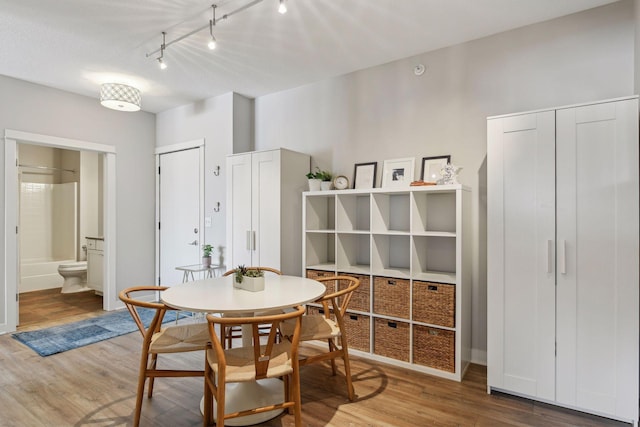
x=354 y=253
x=320 y=213
x=434 y=213
x=390 y=212
x=320 y=253
x=353 y=212
x=391 y=255
x=434 y=258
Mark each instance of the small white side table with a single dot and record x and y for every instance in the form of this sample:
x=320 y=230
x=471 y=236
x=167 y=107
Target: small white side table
x=211 y=271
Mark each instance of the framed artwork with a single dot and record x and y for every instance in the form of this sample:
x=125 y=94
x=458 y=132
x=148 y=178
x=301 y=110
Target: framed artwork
x=431 y=167
x=364 y=175
x=398 y=173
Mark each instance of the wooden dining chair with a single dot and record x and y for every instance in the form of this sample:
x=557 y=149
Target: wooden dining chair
x=158 y=340
x=329 y=326
x=259 y=361
x=235 y=331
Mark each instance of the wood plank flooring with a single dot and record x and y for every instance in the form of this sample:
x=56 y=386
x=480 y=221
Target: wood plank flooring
x=51 y=307
x=95 y=386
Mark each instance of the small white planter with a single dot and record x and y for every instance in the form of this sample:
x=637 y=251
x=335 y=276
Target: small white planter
x=325 y=185
x=314 y=184
x=253 y=284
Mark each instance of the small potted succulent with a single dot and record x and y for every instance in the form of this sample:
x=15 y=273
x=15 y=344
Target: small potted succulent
x=206 y=255
x=250 y=279
x=319 y=180
x=325 y=178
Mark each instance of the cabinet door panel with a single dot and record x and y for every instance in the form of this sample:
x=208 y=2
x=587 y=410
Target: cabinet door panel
x=266 y=208
x=597 y=182
x=239 y=231
x=521 y=291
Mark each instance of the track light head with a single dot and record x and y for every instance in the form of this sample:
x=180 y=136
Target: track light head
x=282 y=8
x=163 y=65
x=212 y=43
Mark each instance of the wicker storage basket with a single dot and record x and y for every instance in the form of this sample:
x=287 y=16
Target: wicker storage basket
x=360 y=297
x=434 y=303
x=358 y=328
x=391 y=297
x=391 y=339
x=316 y=274
x=434 y=347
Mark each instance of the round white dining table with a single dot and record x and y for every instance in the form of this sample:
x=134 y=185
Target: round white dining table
x=218 y=295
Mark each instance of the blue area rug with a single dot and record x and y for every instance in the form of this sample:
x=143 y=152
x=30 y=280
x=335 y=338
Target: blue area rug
x=61 y=338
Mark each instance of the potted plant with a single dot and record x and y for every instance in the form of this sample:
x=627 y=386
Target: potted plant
x=314 y=180
x=250 y=279
x=325 y=178
x=206 y=255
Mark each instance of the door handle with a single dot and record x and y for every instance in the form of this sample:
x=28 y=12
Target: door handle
x=248 y=236
x=549 y=252
x=194 y=243
x=251 y=240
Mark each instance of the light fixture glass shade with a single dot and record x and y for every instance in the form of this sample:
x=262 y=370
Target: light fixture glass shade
x=120 y=97
x=282 y=8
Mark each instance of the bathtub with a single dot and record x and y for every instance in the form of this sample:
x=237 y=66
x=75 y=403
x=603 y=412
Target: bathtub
x=36 y=275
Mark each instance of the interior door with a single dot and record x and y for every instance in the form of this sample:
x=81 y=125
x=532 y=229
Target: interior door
x=520 y=265
x=179 y=213
x=597 y=173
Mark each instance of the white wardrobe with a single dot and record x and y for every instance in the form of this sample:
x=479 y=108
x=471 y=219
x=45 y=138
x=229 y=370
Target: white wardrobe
x=562 y=249
x=264 y=209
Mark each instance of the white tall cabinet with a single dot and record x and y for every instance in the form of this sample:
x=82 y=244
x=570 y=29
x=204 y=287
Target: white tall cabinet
x=563 y=256
x=264 y=209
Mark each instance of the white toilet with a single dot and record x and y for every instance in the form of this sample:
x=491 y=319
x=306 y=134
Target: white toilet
x=75 y=277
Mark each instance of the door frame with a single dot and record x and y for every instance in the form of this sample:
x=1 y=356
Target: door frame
x=11 y=247
x=181 y=146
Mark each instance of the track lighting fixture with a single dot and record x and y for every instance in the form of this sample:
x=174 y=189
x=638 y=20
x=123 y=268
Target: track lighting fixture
x=163 y=65
x=282 y=8
x=212 y=43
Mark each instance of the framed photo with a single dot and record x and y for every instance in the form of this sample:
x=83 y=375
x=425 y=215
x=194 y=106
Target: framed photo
x=431 y=167
x=364 y=175
x=398 y=173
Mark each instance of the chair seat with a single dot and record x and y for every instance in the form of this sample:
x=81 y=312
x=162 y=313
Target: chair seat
x=240 y=365
x=314 y=327
x=177 y=339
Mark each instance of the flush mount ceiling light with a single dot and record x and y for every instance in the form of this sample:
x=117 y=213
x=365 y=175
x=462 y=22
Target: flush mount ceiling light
x=212 y=43
x=120 y=97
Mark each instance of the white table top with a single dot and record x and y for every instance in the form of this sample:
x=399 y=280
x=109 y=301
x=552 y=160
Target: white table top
x=217 y=295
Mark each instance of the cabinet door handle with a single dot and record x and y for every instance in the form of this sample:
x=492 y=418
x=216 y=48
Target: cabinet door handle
x=549 y=252
x=253 y=240
x=248 y=240
x=562 y=256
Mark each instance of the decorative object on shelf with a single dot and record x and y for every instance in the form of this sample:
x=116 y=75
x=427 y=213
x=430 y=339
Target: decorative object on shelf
x=398 y=173
x=450 y=174
x=364 y=175
x=318 y=179
x=421 y=183
x=119 y=97
x=220 y=255
x=206 y=255
x=341 y=182
x=249 y=279
x=432 y=167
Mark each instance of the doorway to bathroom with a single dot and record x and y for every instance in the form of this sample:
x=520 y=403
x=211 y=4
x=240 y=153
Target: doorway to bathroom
x=9 y=295
x=61 y=226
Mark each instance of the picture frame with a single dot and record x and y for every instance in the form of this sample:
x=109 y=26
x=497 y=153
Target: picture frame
x=364 y=175
x=431 y=166
x=398 y=173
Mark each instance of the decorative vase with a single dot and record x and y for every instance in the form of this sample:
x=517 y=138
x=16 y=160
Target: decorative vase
x=314 y=184
x=325 y=185
x=206 y=261
x=253 y=284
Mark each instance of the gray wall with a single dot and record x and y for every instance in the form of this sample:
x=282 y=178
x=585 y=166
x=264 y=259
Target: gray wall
x=38 y=109
x=387 y=112
x=226 y=124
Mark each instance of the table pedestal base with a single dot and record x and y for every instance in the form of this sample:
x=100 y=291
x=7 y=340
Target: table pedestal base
x=241 y=396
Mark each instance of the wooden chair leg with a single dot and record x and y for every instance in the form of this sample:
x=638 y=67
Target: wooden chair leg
x=154 y=365
x=142 y=376
x=295 y=395
x=347 y=373
x=220 y=400
x=332 y=347
x=208 y=396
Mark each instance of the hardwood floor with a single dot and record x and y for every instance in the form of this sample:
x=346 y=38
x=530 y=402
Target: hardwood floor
x=95 y=386
x=49 y=307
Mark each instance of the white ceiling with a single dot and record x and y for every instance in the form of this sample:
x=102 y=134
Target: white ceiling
x=76 y=45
